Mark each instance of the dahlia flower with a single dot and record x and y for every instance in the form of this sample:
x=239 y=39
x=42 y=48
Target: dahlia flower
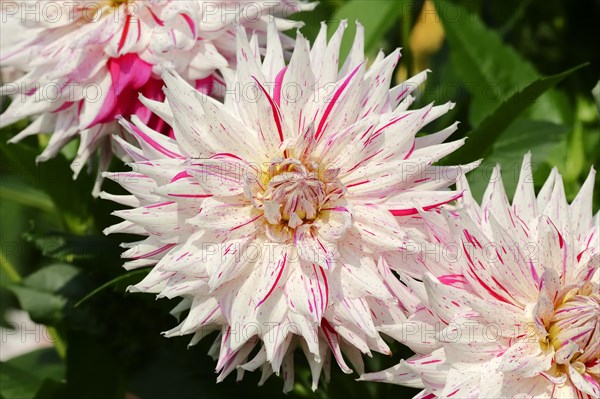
x=86 y=61
x=268 y=211
x=10 y=22
x=510 y=304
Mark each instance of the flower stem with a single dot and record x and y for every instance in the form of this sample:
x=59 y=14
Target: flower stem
x=9 y=269
x=59 y=345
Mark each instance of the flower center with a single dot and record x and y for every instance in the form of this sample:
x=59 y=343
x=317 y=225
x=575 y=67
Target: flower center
x=574 y=333
x=291 y=193
x=294 y=194
x=93 y=11
x=115 y=3
x=577 y=320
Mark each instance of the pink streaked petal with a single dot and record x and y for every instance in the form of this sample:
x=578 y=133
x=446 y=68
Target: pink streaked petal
x=334 y=100
x=414 y=211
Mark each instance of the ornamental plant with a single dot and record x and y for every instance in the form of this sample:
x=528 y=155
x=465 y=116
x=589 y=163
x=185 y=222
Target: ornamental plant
x=305 y=211
x=267 y=214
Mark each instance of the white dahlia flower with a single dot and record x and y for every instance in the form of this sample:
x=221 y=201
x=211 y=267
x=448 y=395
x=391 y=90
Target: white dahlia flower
x=268 y=211
x=86 y=61
x=12 y=32
x=510 y=304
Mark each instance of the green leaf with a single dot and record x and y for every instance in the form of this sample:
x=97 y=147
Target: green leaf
x=491 y=71
x=72 y=198
x=482 y=138
x=16 y=383
x=51 y=278
x=540 y=137
x=126 y=279
x=596 y=94
x=45 y=293
x=312 y=19
x=43 y=307
x=52 y=389
x=43 y=363
x=376 y=16
x=516 y=15
x=73 y=248
x=14 y=189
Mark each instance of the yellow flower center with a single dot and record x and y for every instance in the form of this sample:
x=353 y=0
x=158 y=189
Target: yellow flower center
x=291 y=193
x=574 y=333
x=577 y=320
x=117 y=3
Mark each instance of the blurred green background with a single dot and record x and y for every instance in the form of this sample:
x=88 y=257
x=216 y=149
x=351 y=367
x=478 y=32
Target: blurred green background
x=509 y=67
